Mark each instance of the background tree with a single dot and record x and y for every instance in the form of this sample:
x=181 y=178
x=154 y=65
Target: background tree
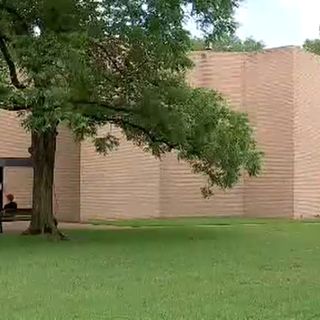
x=229 y=43
x=84 y=64
x=312 y=46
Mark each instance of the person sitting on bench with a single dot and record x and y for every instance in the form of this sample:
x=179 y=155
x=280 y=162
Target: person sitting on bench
x=11 y=205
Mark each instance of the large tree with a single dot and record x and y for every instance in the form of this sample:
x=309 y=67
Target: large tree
x=84 y=64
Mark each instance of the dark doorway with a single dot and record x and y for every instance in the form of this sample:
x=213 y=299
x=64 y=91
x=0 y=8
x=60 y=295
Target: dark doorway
x=11 y=162
x=1 y=188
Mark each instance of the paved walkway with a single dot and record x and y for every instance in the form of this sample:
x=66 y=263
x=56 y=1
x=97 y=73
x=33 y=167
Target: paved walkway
x=19 y=226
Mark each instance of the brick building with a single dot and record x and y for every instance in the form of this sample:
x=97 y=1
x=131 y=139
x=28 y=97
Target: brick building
x=278 y=88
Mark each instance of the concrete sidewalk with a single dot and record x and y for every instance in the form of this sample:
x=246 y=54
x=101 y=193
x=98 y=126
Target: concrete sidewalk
x=19 y=226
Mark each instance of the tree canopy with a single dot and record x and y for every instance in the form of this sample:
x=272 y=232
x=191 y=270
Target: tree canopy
x=312 y=46
x=88 y=63
x=229 y=43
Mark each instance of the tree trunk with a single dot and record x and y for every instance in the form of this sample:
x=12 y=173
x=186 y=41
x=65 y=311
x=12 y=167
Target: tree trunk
x=43 y=150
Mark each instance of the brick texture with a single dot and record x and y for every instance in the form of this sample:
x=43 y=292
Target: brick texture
x=306 y=134
x=17 y=180
x=268 y=99
x=261 y=85
x=14 y=141
x=278 y=88
x=67 y=178
x=180 y=188
x=123 y=184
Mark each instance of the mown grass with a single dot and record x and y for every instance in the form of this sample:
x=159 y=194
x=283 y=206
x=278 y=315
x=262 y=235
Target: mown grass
x=236 y=271
x=185 y=222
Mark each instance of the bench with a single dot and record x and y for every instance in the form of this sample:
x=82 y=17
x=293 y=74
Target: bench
x=22 y=214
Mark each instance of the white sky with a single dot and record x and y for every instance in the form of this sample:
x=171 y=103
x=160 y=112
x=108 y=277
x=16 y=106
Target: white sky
x=278 y=22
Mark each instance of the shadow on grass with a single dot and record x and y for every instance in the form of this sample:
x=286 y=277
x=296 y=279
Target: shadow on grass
x=166 y=232
x=181 y=222
x=130 y=237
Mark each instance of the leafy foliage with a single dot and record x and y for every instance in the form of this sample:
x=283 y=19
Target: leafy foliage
x=89 y=63
x=312 y=46
x=227 y=44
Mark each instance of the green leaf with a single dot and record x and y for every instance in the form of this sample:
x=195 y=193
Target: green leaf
x=91 y=63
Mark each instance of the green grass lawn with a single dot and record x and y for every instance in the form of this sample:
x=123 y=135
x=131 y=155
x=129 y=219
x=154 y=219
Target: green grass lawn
x=184 y=222
x=268 y=270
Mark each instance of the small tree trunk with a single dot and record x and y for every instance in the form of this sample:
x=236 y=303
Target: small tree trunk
x=43 y=150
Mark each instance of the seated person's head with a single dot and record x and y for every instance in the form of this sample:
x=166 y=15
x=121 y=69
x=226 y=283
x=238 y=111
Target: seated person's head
x=10 y=197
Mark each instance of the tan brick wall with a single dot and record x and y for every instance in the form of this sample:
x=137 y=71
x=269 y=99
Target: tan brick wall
x=180 y=194
x=15 y=143
x=67 y=177
x=123 y=184
x=268 y=99
x=180 y=188
x=14 y=140
x=278 y=89
x=261 y=84
x=307 y=135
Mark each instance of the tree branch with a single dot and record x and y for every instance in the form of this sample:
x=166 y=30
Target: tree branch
x=111 y=59
x=13 y=12
x=119 y=121
x=124 y=71
x=12 y=68
x=103 y=105
x=147 y=132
